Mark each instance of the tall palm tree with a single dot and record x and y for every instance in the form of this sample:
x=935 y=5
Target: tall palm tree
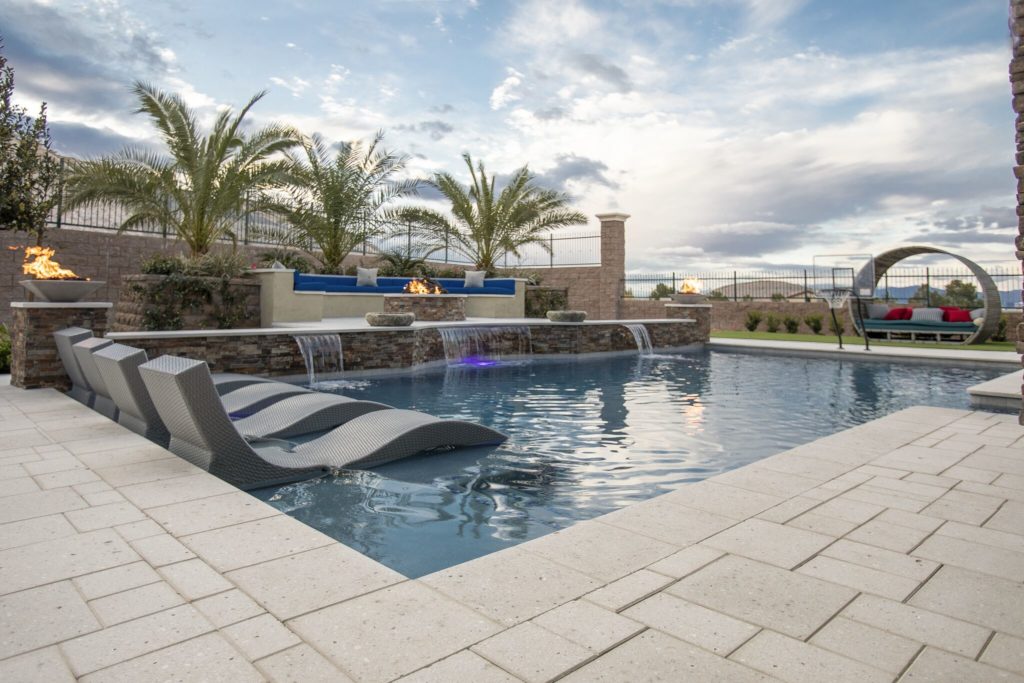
x=199 y=191
x=338 y=201
x=483 y=227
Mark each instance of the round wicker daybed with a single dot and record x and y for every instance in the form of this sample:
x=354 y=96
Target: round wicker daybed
x=990 y=293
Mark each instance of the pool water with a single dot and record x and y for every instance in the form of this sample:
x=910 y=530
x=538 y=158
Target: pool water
x=588 y=436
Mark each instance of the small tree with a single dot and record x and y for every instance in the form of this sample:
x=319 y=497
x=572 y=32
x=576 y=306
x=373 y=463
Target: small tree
x=963 y=294
x=753 y=320
x=930 y=297
x=661 y=290
x=771 y=323
x=792 y=324
x=814 y=323
x=484 y=224
x=338 y=201
x=29 y=170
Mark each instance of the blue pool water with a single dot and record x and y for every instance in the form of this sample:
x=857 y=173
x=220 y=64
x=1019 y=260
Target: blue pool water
x=589 y=436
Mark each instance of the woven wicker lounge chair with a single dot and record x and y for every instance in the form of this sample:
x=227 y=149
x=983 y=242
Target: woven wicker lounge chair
x=301 y=414
x=229 y=381
x=83 y=350
x=202 y=433
x=65 y=340
x=255 y=397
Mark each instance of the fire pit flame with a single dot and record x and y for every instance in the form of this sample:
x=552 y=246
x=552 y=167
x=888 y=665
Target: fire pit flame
x=423 y=285
x=690 y=286
x=39 y=263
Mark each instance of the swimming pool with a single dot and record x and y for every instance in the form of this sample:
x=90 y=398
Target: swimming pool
x=588 y=436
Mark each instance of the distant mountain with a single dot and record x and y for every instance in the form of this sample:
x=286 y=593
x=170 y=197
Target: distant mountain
x=1008 y=299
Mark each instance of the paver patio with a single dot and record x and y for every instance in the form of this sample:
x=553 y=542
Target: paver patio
x=890 y=551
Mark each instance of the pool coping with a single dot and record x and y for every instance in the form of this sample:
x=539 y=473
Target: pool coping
x=232 y=583
x=853 y=350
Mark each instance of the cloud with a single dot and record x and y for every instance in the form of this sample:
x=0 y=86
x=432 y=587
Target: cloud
x=505 y=92
x=572 y=171
x=442 y=109
x=79 y=140
x=295 y=85
x=435 y=129
x=598 y=67
x=749 y=238
x=991 y=225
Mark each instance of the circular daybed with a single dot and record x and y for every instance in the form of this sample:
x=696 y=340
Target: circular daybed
x=990 y=293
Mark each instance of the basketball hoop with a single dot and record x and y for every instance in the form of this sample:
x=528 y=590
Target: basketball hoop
x=835 y=298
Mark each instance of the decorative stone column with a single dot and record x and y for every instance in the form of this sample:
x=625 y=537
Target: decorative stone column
x=699 y=312
x=613 y=264
x=1017 y=89
x=35 y=362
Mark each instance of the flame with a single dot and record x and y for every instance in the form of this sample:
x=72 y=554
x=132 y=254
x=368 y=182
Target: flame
x=690 y=286
x=40 y=264
x=424 y=286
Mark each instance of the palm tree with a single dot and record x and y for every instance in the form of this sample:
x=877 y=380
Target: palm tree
x=340 y=201
x=200 y=190
x=484 y=228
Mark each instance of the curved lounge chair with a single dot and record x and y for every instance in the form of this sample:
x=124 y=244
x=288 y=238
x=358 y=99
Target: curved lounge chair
x=301 y=414
x=65 y=340
x=202 y=433
x=244 y=402
x=84 y=350
x=229 y=381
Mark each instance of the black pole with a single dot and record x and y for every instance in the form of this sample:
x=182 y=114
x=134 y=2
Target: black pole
x=835 y=325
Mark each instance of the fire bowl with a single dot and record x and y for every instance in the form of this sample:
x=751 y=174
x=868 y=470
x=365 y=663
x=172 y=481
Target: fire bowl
x=567 y=316
x=390 y=319
x=61 y=291
x=680 y=298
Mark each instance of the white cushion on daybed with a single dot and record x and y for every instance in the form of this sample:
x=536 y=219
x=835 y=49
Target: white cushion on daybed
x=877 y=311
x=927 y=315
x=366 y=277
x=978 y=313
x=475 y=278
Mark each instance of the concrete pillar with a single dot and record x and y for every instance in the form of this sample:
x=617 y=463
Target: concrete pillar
x=1017 y=90
x=35 y=362
x=613 y=264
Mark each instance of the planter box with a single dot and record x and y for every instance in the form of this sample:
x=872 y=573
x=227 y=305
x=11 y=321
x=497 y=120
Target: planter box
x=175 y=302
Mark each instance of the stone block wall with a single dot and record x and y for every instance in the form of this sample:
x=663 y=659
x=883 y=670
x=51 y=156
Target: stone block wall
x=235 y=304
x=1017 y=92
x=35 y=362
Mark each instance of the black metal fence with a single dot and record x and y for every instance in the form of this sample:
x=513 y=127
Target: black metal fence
x=917 y=284
x=267 y=229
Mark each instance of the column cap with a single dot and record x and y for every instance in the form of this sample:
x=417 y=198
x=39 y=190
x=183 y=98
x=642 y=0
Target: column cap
x=612 y=217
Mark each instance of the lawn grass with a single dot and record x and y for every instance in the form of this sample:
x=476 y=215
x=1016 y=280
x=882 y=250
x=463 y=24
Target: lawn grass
x=854 y=341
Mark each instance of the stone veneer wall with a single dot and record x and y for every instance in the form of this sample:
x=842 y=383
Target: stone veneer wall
x=243 y=295
x=35 y=362
x=427 y=307
x=1017 y=90
x=278 y=354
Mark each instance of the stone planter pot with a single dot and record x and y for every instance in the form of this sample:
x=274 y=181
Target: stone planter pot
x=390 y=319
x=689 y=298
x=567 y=316
x=61 y=291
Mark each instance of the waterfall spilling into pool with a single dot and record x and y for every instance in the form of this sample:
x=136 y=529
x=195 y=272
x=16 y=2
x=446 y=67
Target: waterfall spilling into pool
x=322 y=354
x=483 y=346
x=643 y=339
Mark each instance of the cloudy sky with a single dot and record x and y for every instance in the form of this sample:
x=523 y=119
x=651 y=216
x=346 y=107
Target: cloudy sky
x=737 y=133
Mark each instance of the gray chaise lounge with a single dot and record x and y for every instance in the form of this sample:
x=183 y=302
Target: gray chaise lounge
x=65 y=340
x=202 y=432
x=84 y=353
x=302 y=414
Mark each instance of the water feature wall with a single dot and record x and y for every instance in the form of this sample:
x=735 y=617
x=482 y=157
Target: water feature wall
x=643 y=339
x=322 y=354
x=485 y=345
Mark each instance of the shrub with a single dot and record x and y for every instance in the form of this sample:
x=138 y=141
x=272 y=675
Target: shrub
x=450 y=273
x=772 y=322
x=225 y=265
x=836 y=329
x=1000 y=333
x=814 y=323
x=777 y=296
x=792 y=324
x=287 y=258
x=5 y=348
x=753 y=320
x=162 y=264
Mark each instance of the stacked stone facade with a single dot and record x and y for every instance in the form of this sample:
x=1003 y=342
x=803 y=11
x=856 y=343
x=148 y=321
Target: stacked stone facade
x=433 y=307
x=35 y=363
x=243 y=296
x=1017 y=90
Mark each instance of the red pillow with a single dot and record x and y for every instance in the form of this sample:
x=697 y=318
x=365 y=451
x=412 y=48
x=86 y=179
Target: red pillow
x=957 y=316
x=898 y=314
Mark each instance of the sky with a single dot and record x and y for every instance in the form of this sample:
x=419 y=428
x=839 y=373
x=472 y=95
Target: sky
x=736 y=133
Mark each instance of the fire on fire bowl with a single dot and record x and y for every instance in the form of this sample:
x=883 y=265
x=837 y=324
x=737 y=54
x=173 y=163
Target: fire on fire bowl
x=61 y=291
